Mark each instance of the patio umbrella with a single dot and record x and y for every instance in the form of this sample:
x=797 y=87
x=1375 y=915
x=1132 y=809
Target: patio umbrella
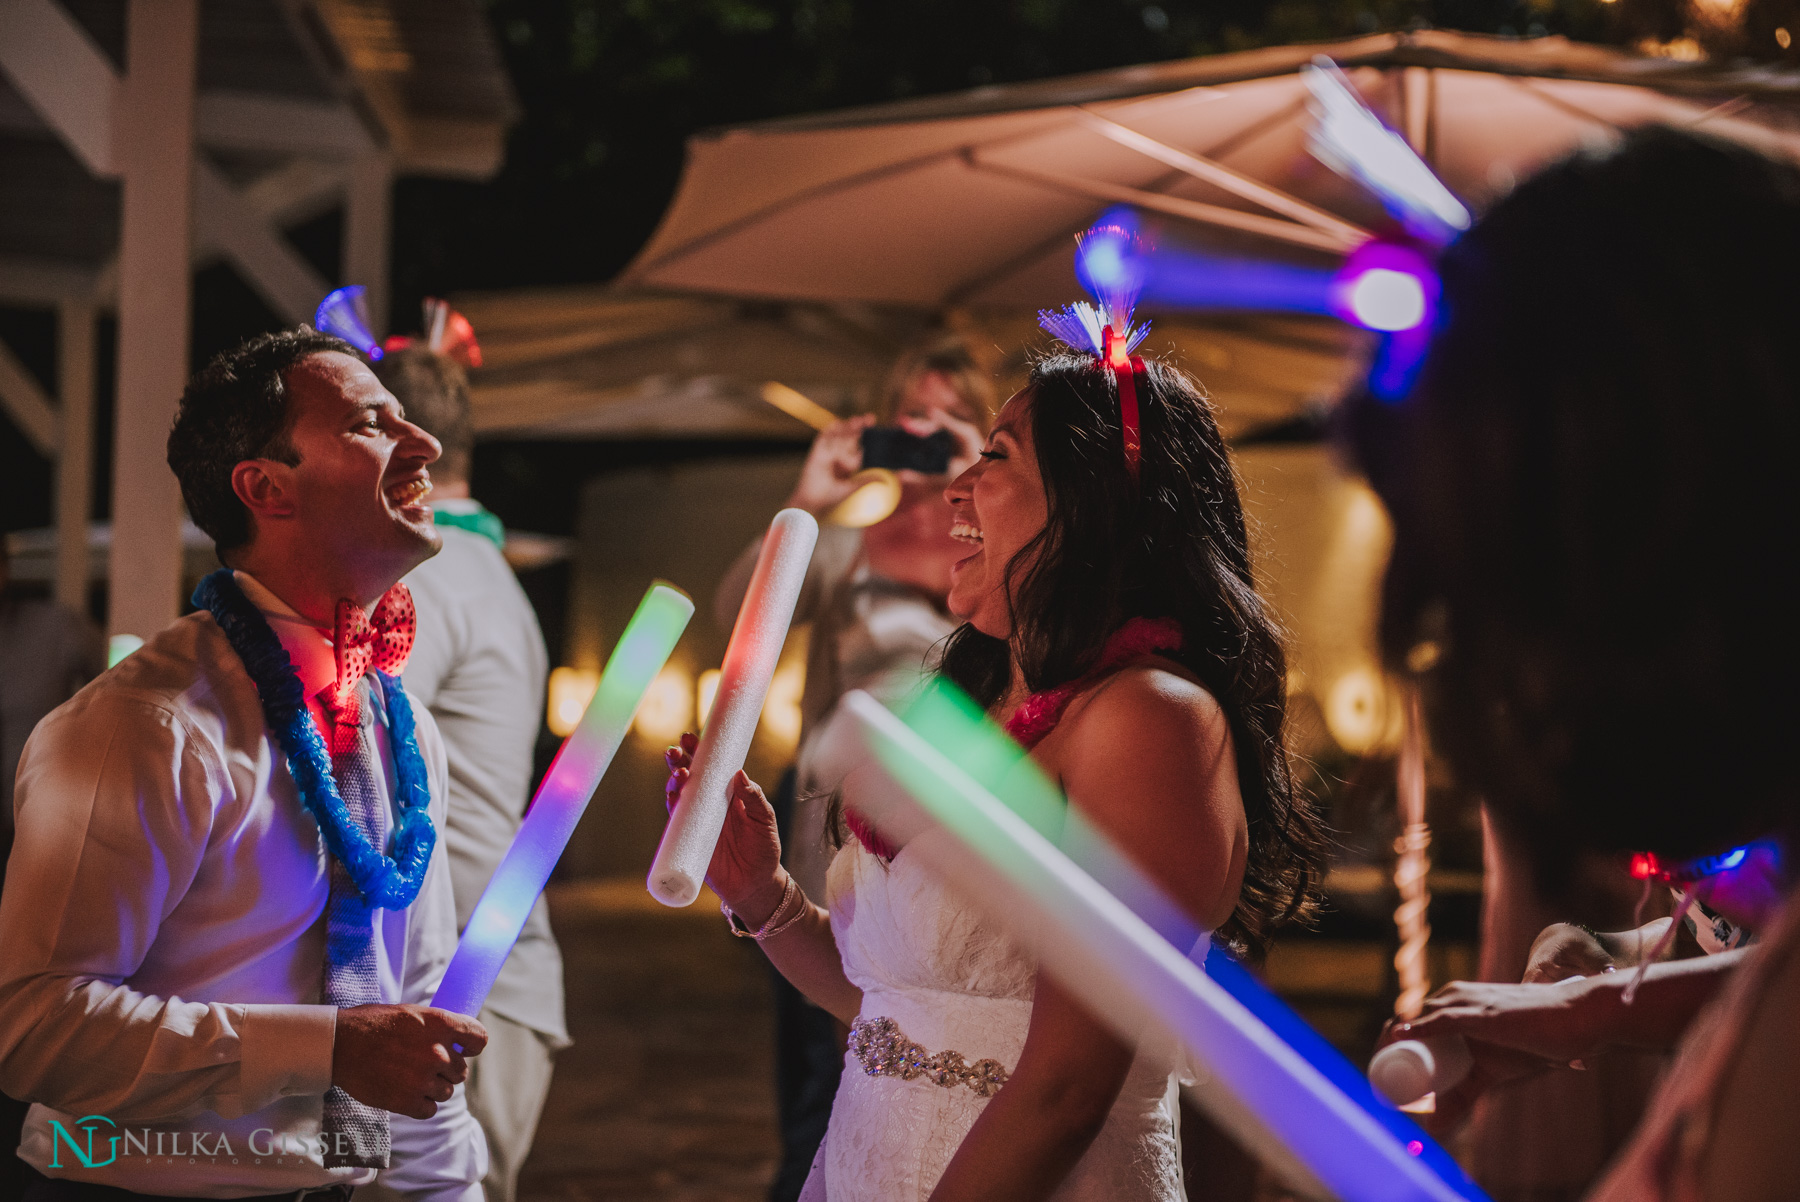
x=971 y=199
x=593 y=362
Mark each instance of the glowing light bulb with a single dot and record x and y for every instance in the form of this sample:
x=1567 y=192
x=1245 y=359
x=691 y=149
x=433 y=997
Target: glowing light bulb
x=705 y=691
x=570 y=691
x=1383 y=299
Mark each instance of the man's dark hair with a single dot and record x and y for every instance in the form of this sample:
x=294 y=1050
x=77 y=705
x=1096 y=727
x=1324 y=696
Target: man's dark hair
x=434 y=392
x=236 y=408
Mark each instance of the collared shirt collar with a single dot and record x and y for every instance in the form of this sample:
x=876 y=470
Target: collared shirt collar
x=309 y=647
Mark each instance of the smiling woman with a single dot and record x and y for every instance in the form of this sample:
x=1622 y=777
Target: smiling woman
x=1109 y=614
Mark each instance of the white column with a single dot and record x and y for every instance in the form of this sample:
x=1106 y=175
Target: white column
x=75 y=458
x=368 y=219
x=155 y=149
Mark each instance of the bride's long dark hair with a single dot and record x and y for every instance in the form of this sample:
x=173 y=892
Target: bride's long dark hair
x=1172 y=544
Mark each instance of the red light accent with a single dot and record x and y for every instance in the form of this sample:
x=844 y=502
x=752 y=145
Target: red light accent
x=1116 y=355
x=1644 y=866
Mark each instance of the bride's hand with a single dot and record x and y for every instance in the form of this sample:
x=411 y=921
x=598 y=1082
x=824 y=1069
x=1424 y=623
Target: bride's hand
x=746 y=869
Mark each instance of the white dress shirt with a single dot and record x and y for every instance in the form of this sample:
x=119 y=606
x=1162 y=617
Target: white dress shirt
x=479 y=665
x=162 y=939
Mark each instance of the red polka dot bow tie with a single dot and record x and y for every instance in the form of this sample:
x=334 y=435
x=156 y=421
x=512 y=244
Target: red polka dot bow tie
x=382 y=639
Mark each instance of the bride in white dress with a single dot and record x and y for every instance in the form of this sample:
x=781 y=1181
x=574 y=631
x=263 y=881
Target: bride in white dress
x=1111 y=622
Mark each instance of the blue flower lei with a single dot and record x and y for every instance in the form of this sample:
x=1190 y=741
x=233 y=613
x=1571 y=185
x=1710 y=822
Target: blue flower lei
x=391 y=883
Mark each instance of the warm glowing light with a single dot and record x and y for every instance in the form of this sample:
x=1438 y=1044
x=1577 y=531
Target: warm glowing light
x=1783 y=38
x=798 y=405
x=704 y=691
x=668 y=706
x=1356 y=710
x=570 y=691
x=1387 y=300
x=781 y=710
x=876 y=496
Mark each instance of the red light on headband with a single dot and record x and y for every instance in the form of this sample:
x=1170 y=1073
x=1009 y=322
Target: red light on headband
x=1126 y=368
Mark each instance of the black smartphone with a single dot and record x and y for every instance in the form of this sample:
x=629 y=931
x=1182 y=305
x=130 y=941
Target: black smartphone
x=892 y=447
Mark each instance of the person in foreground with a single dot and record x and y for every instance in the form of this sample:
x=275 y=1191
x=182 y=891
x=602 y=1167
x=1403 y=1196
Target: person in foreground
x=1592 y=496
x=206 y=959
x=1110 y=620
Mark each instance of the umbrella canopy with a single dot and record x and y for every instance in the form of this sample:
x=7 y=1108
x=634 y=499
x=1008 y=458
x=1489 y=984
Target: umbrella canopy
x=595 y=363
x=971 y=199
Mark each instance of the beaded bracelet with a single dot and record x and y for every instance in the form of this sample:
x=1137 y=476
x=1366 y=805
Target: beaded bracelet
x=769 y=927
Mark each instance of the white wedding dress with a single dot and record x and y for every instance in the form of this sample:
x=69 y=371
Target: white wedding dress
x=949 y=982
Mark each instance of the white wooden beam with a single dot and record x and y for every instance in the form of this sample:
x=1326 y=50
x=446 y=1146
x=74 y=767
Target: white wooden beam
x=25 y=402
x=156 y=144
x=75 y=458
x=268 y=263
x=53 y=63
x=368 y=219
x=257 y=121
x=44 y=282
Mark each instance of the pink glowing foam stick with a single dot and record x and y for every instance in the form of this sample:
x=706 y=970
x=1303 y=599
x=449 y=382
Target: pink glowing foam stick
x=505 y=904
x=762 y=626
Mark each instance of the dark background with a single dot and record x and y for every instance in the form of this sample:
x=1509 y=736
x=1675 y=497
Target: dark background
x=611 y=89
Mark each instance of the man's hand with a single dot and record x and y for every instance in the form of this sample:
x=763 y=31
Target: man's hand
x=403 y=1058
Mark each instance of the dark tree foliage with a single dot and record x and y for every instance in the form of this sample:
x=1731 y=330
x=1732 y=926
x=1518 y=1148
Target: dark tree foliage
x=612 y=89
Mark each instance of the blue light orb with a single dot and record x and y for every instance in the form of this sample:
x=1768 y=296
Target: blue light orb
x=1385 y=286
x=1382 y=299
x=1733 y=859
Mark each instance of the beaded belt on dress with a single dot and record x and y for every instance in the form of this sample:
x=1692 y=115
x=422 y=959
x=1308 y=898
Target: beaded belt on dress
x=885 y=1052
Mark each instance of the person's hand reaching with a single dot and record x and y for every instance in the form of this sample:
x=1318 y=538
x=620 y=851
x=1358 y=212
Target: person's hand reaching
x=746 y=869
x=835 y=457
x=1513 y=1031
x=1563 y=950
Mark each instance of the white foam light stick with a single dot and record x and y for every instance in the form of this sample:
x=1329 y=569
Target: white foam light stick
x=750 y=658
x=568 y=786
x=1121 y=969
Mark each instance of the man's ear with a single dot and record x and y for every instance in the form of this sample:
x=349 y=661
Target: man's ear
x=266 y=487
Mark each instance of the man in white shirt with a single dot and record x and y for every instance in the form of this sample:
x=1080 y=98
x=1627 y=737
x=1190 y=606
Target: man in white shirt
x=480 y=667
x=179 y=913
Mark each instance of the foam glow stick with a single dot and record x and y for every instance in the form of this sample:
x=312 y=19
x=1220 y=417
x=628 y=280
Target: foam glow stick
x=568 y=786
x=762 y=625
x=1352 y=141
x=1122 y=969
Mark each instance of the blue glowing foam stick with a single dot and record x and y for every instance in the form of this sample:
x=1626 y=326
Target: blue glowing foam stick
x=345 y=313
x=1315 y=1115
x=1352 y=141
x=500 y=915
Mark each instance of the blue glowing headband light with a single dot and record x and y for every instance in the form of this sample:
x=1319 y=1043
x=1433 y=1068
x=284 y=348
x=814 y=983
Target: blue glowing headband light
x=345 y=313
x=1352 y=141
